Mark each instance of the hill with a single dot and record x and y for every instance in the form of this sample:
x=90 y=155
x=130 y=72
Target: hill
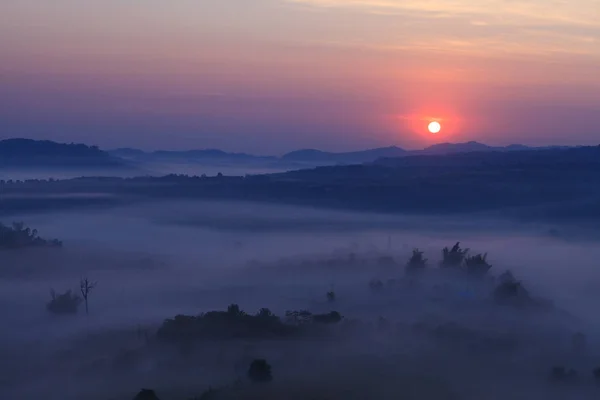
x=544 y=184
x=44 y=153
x=299 y=159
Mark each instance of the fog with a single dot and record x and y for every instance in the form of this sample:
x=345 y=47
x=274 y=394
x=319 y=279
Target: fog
x=159 y=168
x=156 y=260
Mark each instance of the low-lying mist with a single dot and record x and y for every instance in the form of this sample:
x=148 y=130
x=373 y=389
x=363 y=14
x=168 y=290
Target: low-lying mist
x=431 y=335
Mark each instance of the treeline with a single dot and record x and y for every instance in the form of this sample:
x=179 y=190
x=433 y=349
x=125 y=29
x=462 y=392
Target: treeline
x=19 y=236
x=235 y=324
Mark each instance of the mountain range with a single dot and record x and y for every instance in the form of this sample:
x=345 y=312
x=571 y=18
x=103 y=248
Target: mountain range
x=27 y=152
x=22 y=153
x=316 y=157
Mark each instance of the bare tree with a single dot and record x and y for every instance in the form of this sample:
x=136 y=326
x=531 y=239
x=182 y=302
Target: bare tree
x=86 y=286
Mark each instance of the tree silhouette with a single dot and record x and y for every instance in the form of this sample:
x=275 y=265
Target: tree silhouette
x=146 y=394
x=260 y=371
x=86 y=287
x=66 y=303
x=453 y=258
x=416 y=262
x=477 y=265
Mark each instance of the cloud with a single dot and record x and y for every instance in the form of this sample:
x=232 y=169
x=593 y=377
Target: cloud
x=583 y=12
x=529 y=26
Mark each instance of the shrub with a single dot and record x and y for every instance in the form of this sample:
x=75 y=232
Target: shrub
x=477 y=265
x=330 y=318
x=453 y=258
x=146 y=394
x=260 y=371
x=299 y=317
x=511 y=291
x=416 y=262
x=66 y=303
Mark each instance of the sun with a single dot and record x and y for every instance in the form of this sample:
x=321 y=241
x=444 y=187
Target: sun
x=434 y=127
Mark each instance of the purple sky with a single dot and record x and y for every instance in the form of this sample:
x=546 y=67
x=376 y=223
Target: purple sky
x=268 y=76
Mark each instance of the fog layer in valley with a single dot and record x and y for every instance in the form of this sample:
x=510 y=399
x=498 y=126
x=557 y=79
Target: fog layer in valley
x=427 y=336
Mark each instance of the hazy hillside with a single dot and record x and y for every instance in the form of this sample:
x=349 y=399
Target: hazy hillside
x=33 y=153
x=304 y=158
x=588 y=156
x=558 y=182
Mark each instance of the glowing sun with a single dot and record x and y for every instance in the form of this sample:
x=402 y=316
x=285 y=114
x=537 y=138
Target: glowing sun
x=434 y=127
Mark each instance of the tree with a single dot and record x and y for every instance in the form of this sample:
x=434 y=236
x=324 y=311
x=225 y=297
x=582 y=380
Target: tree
x=453 y=258
x=416 y=262
x=66 y=303
x=477 y=265
x=86 y=287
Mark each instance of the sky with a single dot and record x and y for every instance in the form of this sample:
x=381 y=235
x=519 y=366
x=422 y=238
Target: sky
x=269 y=76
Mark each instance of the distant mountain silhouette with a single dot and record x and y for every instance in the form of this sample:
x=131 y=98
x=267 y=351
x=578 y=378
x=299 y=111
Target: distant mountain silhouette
x=185 y=155
x=45 y=153
x=355 y=157
x=501 y=158
x=313 y=157
x=449 y=148
x=127 y=152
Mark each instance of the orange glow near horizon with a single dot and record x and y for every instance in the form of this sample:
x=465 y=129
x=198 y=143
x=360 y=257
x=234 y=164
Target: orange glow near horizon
x=430 y=128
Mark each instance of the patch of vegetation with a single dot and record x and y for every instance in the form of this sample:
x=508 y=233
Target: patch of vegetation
x=19 y=236
x=477 y=265
x=332 y=317
x=260 y=371
x=208 y=394
x=416 y=262
x=146 y=394
x=510 y=291
x=454 y=257
x=66 y=303
x=235 y=323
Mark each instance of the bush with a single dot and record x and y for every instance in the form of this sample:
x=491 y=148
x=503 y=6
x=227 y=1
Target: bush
x=453 y=258
x=511 y=291
x=331 y=318
x=260 y=371
x=146 y=394
x=66 y=303
x=416 y=262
